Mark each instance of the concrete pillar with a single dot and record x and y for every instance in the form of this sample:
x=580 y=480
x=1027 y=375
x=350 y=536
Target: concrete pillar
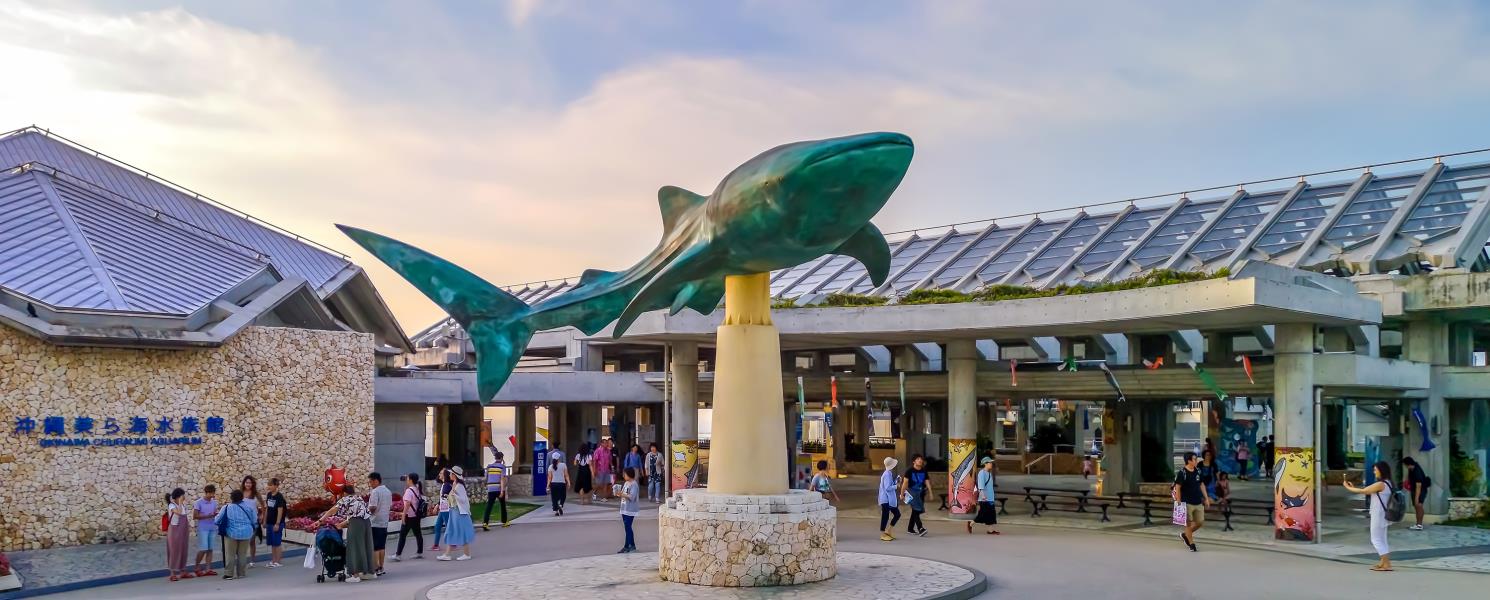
x=748 y=441
x=962 y=427
x=527 y=433
x=1120 y=458
x=1434 y=342
x=1082 y=428
x=683 y=420
x=1293 y=431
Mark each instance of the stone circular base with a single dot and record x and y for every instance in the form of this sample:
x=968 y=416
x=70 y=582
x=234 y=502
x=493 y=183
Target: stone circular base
x=745 y=541
x=878 y=576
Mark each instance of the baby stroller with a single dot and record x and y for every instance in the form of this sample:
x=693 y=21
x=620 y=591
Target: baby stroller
x=333 y=551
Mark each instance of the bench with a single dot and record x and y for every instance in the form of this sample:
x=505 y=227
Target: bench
x=1245 y=508
x=1238 y=507
x=1076 y=501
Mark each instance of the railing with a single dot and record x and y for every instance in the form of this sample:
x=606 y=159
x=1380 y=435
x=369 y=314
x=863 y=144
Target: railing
x=1049 y=464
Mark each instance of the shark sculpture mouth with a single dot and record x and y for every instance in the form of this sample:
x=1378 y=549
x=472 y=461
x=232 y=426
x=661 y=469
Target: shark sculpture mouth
x=752 y=223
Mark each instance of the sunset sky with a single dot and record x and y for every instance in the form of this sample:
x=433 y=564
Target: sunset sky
x=526 y=140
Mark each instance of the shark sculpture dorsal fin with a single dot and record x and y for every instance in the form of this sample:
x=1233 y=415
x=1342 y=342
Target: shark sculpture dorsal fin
x=675 y=202
x=868 y=246
x=596 y=277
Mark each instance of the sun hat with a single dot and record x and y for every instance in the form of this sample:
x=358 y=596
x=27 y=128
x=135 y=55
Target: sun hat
x=890 y=462
x=458 y=471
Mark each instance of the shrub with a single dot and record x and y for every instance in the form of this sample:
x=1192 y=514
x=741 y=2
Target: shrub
x=310 y=507
x=784 y=303
x=934 y=297
x=1464 y=473
x=850 y=299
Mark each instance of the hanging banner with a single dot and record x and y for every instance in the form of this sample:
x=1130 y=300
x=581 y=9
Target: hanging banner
x=801 y=416
x=1014 y=373
x=1373 y=455
x=1112 y=381
x=902 y=392
x=833 y=391
x=1247 y=367
x=962 y=492
x=685 y=464
x=1293 y=495
x=1210 y=382
x=1153 y=364
x=1068 y=365
x=1417 y=415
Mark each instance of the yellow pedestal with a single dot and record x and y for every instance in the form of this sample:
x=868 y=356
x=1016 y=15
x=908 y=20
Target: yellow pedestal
x=747 y=452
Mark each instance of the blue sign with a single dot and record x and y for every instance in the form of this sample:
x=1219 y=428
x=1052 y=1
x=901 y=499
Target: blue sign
x=56 y=431
x=540 y=468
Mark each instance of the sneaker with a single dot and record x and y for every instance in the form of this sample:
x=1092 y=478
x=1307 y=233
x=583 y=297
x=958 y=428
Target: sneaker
x=443 y=557
x=250 y=565
x=885 y=537
x=1416 y=528
x=227 y=577
x=485 y=527
x=396 y=558
x=434 y=548
x=506 y=524
x=922 y=533
x=418 y=557
x=463 y=557
x=379 y=573
x=273 y=565
x=354 y=579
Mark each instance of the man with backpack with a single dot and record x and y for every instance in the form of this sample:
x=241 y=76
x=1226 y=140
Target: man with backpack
x=1189 y=489
x=1417 y=486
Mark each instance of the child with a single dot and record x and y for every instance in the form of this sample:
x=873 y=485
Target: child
x=205 y=512
x=821 y=483
x=276 y=514
x=629 y=507
x=1223 y=487
x=1086 y=467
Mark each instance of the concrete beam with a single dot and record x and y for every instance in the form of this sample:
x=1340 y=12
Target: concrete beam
x=879 y=358
x=1045 y=347
x=1114 y=346
x=1189 y=345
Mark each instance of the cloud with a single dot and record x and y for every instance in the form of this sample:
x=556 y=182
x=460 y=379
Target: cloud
x=1012 y=110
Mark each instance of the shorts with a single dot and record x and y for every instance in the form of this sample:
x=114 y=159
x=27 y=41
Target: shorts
x=1195 y=514
x=274 y=538
x=1422 y=494
x=603 y=479
x=380 y=538
x=206 y=539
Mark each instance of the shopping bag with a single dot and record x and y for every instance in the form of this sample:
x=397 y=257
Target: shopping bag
x=1181 y=517
x=310 y=557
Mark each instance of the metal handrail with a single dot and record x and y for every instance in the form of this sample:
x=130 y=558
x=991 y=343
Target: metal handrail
x=1049 y=464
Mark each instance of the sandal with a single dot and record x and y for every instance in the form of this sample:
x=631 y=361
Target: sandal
x=969 y=526
x=187 y=576
x=209 y=572
x=993 y=532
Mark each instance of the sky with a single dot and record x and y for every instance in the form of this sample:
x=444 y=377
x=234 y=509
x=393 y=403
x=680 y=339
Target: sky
x=525 y=140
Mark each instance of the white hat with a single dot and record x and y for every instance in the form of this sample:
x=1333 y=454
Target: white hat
x=890 y=463
x=458 y=471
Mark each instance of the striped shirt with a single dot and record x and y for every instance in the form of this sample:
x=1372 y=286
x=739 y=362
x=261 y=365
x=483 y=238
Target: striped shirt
x=494 y=474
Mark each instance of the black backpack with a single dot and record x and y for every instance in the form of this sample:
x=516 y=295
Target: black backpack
x=1396 y=507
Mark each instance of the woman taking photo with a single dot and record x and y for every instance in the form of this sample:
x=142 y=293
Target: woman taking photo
x=1378 y=494
x=178 y=534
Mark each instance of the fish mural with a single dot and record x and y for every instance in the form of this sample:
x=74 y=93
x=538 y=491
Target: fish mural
x=962 y=492
x=1293 y=495
x=685 y=464
x=788 y=205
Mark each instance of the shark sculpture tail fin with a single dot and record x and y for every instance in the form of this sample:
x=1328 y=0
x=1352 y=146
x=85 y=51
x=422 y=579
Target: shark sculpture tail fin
x=495 y=319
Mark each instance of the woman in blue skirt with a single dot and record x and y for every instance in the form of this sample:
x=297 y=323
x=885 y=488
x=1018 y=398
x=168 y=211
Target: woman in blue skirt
x=461 y=531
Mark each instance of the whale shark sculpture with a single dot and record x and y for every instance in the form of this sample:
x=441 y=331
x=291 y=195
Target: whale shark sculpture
x=790 y=204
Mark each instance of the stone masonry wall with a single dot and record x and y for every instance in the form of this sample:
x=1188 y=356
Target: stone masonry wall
x=291 y=400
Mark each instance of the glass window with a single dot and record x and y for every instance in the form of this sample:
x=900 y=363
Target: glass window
x=977 y=254
x=1369 y=212
x=1017 y=251
x=1300 y=219
x=1235 y=225
x=1173 y=235
x=1447 y=201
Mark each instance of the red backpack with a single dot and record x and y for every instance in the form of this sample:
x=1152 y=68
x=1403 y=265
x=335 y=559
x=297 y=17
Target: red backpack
x=165 y=521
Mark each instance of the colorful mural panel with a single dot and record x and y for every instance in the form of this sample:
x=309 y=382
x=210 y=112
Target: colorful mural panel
x=1293 y=495
x=1234 y=434
x=685 y=464
x=962 y=493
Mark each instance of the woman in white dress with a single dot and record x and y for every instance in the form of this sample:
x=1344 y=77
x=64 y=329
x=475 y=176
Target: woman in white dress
x=1378 y=494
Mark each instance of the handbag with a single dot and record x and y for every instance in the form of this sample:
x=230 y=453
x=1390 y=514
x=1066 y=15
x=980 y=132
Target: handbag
x=1181 y=516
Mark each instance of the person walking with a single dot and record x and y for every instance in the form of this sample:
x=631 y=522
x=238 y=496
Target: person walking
x=237 y=521
x=414 y=509
x=822 y=483
x=655 y=473
x=379 y=503
x=276 y=515
x=913 y=490
x=1189 y=489
x=888 y=500
x=630 y=507
x=461 y=531
x=988 y=513
x=1265 y=449
x=178 y=535
x=204 y=511
x=1418 y=483
x=496 y=492
x=1207 y=469
x=558 y=485
x=442 y=479
x=1378 y=494
x=601 y=463
x=358 y=528
x=1243 y=457
x=252 y=499
x=633 y=459
x=584 y=486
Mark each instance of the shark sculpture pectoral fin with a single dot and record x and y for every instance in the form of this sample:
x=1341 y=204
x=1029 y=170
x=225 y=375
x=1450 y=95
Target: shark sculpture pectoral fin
x=676 y=202
x=663 y=288
x=707 y=298
x=684 y=296
x=868 y=246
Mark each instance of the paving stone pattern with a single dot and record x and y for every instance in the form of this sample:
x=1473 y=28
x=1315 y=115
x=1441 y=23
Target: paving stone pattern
x=634 y=577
